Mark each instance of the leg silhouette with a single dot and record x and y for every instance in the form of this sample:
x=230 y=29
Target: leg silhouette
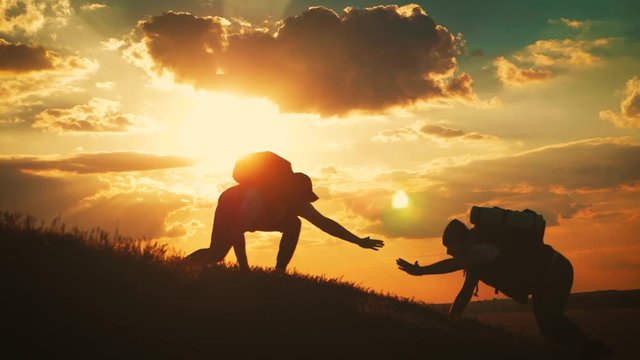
x=549 y=304
x=225 y=233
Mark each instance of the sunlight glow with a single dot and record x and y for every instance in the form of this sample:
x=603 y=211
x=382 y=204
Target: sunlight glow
x=222 y=127
x=400 y=200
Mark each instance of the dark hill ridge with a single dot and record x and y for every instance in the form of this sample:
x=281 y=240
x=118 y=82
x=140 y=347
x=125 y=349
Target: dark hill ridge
x=83 y=295
x=593 y=300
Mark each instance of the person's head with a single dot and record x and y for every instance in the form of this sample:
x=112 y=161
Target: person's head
x=455 y=237
x=303 y=186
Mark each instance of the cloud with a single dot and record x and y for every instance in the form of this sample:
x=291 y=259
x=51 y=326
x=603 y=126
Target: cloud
x=43 y=74
x=18 y=58
x=98 y=116
x=397 y=135
x=574 y=24
x=105 y=190
x=185 y=45
x=421 y=129
x=11 y=121
x=629 y=115
x=548 y=57
x=317 y=62
x=562 y=53
x=107 y=85
x=138 y=211
x=30 y=16
x=92 y=163
x=560 y=182
x=93 y=6
x=441 y=131
x=510 y=74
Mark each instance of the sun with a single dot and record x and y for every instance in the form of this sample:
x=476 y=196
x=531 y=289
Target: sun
x=400 y=200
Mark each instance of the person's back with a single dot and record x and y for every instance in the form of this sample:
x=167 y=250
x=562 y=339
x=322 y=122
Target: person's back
x=264 y=205
x=517 y=270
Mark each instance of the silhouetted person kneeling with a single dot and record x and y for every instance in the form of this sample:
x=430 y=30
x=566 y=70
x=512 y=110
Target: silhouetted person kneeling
x=505 y=250
x=269 y=197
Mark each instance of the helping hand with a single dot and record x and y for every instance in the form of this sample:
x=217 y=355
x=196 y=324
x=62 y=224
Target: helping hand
x=409 y=268
x=368 y=243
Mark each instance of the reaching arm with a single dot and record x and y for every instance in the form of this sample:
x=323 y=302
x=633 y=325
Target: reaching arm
x=475 y=255
x=464 y=296
x=333 y=228
x=441 y=267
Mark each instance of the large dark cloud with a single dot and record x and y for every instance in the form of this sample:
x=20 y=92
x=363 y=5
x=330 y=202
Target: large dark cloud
x=186 y=45
x=19 y=58
x=94 y=163
x=319 y=62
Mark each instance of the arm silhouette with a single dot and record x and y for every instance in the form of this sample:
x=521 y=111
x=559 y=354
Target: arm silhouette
x=464 y=295
x=333 y=228
x=475 y=255
x=441 y=267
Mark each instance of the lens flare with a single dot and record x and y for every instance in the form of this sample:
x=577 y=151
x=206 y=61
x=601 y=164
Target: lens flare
x=400 y=200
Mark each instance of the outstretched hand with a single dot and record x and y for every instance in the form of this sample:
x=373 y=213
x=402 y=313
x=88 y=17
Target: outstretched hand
x=409 y=268
x=368 y=243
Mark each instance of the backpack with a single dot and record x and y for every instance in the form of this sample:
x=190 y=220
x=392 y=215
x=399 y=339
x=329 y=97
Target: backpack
x=524 y=228
x=519 y=236
x=262 y=169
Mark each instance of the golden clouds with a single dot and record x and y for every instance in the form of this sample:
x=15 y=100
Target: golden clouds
x=629 y=115
x=316 y=62
x=89 y=163
x=548 y=58
x=93 y=6
x=97 y=116
x=436 y=132
x=565 y=52
x=561 y=182
x=123 y=190
x=32 y=73
x=29 y=16
x=574 y=24
x=510 y=74
x=18 y=58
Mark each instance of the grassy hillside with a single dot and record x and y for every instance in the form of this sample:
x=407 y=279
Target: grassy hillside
x=73 y=294
x=589 y=301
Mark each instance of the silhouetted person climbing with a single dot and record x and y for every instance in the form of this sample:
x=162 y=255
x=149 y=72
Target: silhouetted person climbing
x=269 y=197
x=505 y=250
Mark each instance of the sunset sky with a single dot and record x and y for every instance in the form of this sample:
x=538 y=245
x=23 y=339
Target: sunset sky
x=129 y=116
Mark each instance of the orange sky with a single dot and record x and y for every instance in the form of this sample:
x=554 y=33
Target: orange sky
x=129 y=116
